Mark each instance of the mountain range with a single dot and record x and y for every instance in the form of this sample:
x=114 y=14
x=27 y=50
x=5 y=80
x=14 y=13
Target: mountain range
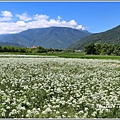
x=60 y=38
x=52 y=37
x=111 y=36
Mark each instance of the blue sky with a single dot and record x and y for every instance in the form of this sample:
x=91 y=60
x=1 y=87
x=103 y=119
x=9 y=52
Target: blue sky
x=92 y=16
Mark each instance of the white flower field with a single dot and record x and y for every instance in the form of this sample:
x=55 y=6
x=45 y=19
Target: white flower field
x=59 y=88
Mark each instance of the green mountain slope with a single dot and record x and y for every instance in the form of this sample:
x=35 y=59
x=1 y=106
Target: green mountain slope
x=52 y=37
x=2 y=36
x=111 y=36
x=10 y=44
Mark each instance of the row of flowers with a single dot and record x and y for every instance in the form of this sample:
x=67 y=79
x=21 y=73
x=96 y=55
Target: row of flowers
x=59 y=88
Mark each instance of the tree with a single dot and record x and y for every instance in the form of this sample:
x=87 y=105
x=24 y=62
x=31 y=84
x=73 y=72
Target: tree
x=104 y=49
x=41 y=49
x=97 y=47
x=90 y=49
x=1 y=50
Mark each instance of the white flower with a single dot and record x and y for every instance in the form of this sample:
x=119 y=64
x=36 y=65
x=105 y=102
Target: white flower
x=39 y=109
x=27 y=115
x=44 y=112
x=57 y=112
x=26 y=87
x=27 y=103
x=94 y=113
x=86 y=109
x=8 y=107
x=3 y=114
x=48 y=110
x=22 y=108
x=8 y=100
x=65 y=112
x=28 y=111
x=59 y=90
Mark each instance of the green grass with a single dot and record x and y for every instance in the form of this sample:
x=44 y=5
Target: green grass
x=101 y=57
x=68 y=55
x=82 y=55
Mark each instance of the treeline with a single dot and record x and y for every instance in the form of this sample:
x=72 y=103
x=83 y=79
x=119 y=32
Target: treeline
x=102 y=49
x=38 y=49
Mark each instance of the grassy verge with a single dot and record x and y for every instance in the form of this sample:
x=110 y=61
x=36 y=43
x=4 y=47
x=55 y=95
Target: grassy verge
x=67 y=55
x=82 y=55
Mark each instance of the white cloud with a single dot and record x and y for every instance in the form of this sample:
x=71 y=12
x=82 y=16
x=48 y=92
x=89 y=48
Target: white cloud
x=80 y=27
x=53 y=22
x=5 y=19
x=40 y=17
x=73 y=23
x=59 y=18
x=36 y=21
x=7 y=28
x=21 y=23
x=24 y=17
x=62 y=23
x=6 y=16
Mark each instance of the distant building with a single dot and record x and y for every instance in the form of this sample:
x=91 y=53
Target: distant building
x=34 y=47
x=78 y=50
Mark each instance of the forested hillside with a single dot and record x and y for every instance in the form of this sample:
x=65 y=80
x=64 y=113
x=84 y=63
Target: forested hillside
x=111 y=36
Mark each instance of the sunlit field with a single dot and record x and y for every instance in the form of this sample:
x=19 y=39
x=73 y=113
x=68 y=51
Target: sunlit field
x=59 y=88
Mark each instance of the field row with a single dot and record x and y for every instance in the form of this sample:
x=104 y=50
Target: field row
x=59 y=88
